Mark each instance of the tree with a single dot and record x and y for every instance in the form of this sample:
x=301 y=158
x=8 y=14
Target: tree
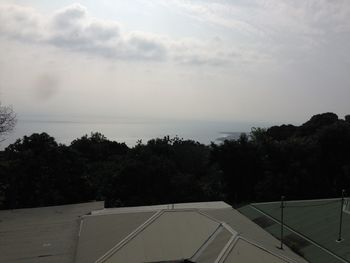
x=347 y=118
x=37 y=171
x=316 y=123
x=7 y=121
x=240 y=163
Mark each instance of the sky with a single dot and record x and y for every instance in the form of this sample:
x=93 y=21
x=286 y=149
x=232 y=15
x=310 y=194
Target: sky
x=259 y=60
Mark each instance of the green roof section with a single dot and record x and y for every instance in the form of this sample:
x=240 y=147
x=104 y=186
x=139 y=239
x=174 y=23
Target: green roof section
x=311 y=227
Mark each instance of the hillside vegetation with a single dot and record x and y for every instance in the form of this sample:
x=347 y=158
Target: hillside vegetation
x=301 y=162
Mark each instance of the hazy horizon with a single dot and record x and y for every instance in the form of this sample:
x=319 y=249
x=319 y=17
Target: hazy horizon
x=260 y=61
x=128 y=130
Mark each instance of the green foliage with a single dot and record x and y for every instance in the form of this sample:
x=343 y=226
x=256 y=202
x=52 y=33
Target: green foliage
x=164 y=170
x=40 y=172
x=307 y=161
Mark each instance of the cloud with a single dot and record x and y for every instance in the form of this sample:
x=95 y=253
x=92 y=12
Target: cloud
x=216 y=12
x=311 y=16
x=69 y=17
x=21 y=23
x=151 y=47
x=73 y=28
x=255 y=33
x=310 y=22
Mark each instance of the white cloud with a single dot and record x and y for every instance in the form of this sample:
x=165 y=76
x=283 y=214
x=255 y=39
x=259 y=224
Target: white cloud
x=217 y=13
x=20 y=22
x=69 y=17
x=74 y=29
x=257 y=35
x=311 y=16
x=286 y=22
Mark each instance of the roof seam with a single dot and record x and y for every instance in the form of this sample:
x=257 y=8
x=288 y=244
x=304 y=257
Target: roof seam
x=123 y=242
x=210 y=239
x=148 y=222
x=227 y=248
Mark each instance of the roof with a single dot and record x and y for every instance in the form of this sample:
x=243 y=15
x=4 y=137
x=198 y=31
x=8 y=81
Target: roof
x=347 y=206
x=312 y=227
x=191 y=232
x=153 y=208
x=47 y=234
x=198 y=232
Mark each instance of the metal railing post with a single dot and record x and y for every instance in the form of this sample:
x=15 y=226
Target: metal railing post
x=282 y=223
x=341 y=215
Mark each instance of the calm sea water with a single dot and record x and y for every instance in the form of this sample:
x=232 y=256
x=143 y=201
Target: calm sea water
x=130 y=130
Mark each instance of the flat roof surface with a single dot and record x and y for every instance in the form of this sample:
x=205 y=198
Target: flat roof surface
x=152 y=208
x=98 y=234
x=244 y=252
x=71 y=233
x=47 y=234
x=314 y=227
x=171 y=236
x=195 y=231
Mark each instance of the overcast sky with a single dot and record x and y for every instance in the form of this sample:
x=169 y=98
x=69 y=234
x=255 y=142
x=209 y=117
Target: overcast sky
x=238 y=60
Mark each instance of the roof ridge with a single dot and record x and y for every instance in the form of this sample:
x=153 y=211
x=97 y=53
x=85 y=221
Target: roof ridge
x=139 y=229
x=152 y=219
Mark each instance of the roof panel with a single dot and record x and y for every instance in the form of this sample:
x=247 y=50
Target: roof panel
x=173 y=235
x=212 y=251
x=46 y=234
x=245 y=252
x=100 y=233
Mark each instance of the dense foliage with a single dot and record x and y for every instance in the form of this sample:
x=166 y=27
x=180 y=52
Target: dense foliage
x=307 y=161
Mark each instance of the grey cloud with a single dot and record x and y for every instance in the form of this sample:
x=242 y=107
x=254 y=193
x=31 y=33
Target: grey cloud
x=278 y=30
x=77 y=31
x=73 y=29
x=74 y=21
x=69 y=16
x=286 y=25
x=20 y=23
x=148 y=47
x=103 y=31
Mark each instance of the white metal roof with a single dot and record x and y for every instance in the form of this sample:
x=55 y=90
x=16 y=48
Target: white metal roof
x=198 y=205
x=199 y=232
x=168 y=235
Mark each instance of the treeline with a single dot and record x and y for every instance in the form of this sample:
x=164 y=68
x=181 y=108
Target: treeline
x=301 y=162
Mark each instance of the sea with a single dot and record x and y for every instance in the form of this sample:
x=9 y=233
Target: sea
x=130 y=130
